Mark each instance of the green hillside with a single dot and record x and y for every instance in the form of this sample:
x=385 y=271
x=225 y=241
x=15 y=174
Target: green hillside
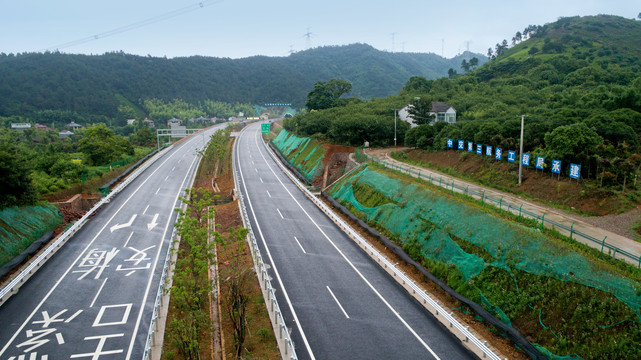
x=578 y=81
x=89 y=84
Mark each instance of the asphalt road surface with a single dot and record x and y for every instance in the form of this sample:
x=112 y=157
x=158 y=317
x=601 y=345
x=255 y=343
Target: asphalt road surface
x=337 y=302
x=94 y=298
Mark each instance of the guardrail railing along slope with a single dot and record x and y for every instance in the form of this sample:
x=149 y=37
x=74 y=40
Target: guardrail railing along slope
x=598 y=243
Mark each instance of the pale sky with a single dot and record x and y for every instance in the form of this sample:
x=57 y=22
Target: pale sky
x=237 y=28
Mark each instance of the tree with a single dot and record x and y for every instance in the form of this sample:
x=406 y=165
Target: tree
x=15 y=181
x=474 y=62
x=418 y=85
x=236 y=279
x=413 y=135
x=518 y=36
x=501 y=48
x=487 y=132
x=465 y=65
x=451 y=73
x=574 y=142
x=143 y=137
x=325 y=95
x=102 y=146
x=420 y=110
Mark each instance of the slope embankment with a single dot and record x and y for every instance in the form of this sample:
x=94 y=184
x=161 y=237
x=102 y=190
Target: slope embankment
x=20 y=227
x=515 y=272
x=562 y=296
x=319 y=163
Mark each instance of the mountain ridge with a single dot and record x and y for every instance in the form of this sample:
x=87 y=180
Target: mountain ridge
x=88 y=83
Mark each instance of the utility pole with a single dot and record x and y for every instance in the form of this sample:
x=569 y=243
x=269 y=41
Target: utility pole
x=521 y=151
x=394 y=127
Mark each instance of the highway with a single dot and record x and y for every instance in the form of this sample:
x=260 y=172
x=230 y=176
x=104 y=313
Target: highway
x=336 y=301
x=95 y=297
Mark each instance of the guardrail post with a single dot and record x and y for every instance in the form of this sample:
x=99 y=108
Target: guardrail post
x=467 y=190
x=483 y=198
x=543 y=221
x=520 y=209
x=603 y=245
x=452 y=186
x=571 y=230
x=440 y=181
x=500 y=203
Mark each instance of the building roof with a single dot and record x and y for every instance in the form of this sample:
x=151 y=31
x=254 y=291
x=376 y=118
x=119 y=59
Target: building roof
x=439 y=107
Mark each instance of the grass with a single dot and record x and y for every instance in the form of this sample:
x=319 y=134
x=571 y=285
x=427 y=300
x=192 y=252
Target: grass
x=20 y=227
x=368 y=196
x=307 y=158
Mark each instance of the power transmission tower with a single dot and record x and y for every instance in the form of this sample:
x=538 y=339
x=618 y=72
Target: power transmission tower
x=308 y=35
x=393 y=40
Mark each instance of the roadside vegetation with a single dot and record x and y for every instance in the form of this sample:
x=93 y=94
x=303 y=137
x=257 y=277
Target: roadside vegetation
x=519 y=281
x=230 y=319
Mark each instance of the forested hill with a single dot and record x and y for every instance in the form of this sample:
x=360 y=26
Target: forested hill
x=89 y=84
x=598 y=47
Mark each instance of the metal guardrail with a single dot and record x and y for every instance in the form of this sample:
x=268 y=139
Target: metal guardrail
x=285 y=344
x=159 y=296
x=477 y=346
x=632 y=258
x=164 y=282
x=35 y=264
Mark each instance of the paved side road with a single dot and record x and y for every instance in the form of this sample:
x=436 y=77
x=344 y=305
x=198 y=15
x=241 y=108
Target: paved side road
x=618 y=246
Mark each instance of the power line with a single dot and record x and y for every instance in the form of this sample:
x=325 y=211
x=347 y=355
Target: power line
x=133 y=26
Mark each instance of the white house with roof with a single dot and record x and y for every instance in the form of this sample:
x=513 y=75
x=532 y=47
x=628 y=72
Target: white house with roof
x=174 y=122
x=440 y=110
x=73 y=125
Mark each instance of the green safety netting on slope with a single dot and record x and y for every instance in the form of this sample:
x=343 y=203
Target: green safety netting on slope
x=304 y=154
x=20 y=226
x=439 y=224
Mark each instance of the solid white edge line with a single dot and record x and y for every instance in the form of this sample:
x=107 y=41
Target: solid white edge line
x=337 y=302
x=380 y=296
x=271 y=260
x=162 y=239
x=81 y=255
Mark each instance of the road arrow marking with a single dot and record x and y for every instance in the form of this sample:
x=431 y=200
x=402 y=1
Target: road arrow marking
x=153 y=223
x=119 y=226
